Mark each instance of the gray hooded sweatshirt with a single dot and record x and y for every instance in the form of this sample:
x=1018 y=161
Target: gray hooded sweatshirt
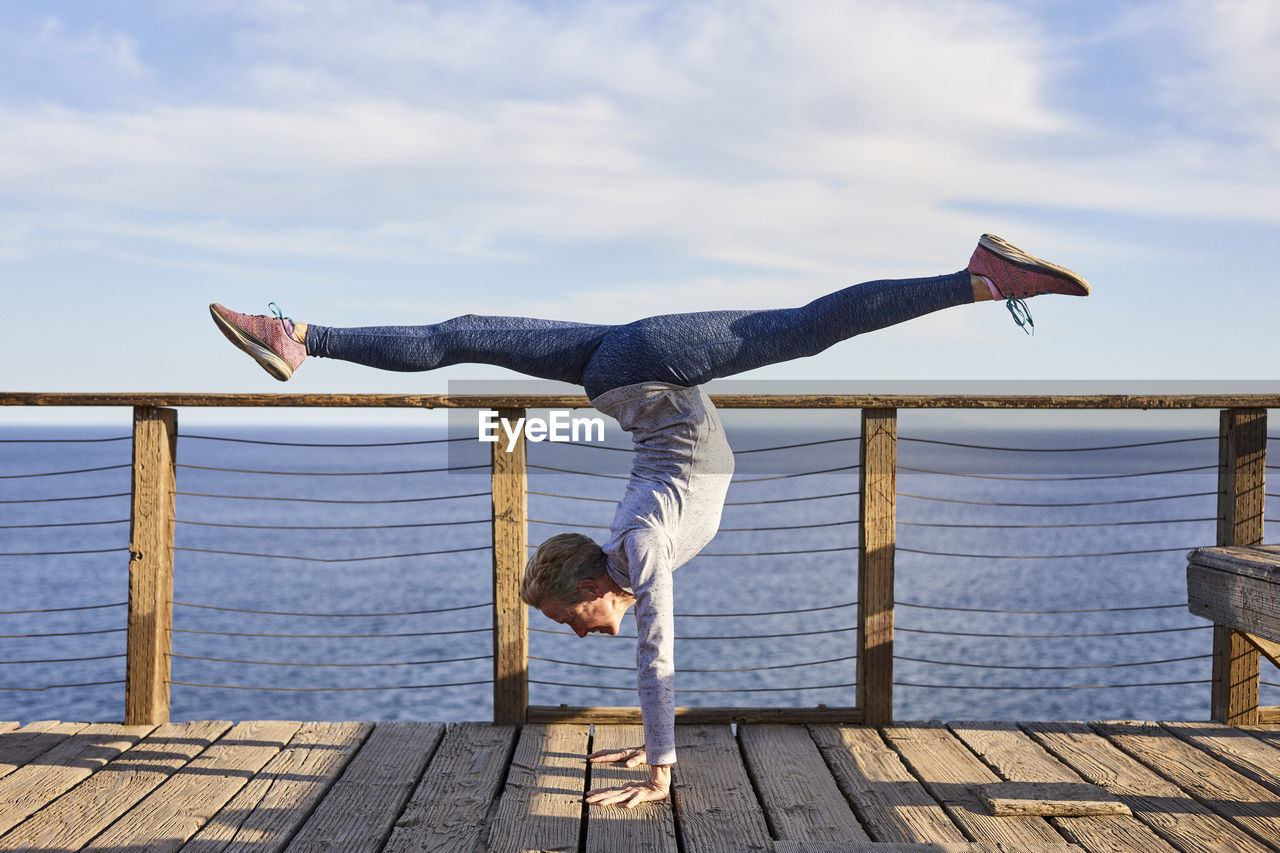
x=679 y=476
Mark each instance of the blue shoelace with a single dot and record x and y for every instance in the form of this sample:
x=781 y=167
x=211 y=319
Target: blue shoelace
x=1021 y=314
x=288 y=327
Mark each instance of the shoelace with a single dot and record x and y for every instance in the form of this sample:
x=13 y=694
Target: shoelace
x=1021 y=314
x=288 y=326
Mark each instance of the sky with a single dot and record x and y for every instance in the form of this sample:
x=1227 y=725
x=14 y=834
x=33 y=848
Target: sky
x=395 y=162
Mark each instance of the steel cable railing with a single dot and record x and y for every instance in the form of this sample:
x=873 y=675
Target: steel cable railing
x=316 y=528
x=1083 y=504
x=322 y=506
x=54 y=533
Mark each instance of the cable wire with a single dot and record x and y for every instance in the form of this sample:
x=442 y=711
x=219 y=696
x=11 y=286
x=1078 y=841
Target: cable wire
x=1050 y=636
x=1071 y=478
x=330 y=559
x=1055 y=504
x=333 y=615
x=332 y=636
x=328 y=689
x=1046 y=686
x=1056 y=449
x=65 y=473
x=313 y=444
x=1047 y=667
x=60 y=686
x=321 y=500
x=1088 y=610
x=687 y=669
x=447 y=469
x=422 y=524
x=63 y=609
x=727 y=637
x=359 y=665
x=723 y=690
x=62 y=660
x=63 y=440
x=62 y=524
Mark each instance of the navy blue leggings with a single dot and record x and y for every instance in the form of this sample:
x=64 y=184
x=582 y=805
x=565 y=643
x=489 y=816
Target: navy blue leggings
x=683 y=349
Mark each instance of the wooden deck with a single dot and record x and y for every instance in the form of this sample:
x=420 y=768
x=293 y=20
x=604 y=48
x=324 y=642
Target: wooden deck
x=262 y=786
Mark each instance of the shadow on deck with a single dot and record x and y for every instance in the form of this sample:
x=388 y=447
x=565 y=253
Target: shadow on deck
x=260 y=786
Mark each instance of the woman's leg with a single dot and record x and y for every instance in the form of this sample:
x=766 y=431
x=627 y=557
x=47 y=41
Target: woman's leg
x=690 y=349
x=545 y=349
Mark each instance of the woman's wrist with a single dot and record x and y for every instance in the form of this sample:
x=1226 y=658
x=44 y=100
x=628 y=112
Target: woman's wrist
x=660 y=776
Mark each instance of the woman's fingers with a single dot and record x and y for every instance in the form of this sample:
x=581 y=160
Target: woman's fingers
x=628 y=796
x=632 y=756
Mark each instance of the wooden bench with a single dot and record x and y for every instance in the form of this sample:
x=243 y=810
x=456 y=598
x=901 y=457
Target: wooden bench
x=1239 y=587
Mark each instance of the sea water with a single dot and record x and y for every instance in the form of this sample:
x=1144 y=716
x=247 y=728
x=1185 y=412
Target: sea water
x=1038 y=585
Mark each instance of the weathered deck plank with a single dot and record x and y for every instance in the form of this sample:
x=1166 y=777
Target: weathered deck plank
x=22 y=746
x=610 y=828
x=58 y=770
x=893 y=805
x=1016 y=757
x=541 y=807
x=400 y=787
x=1172 y=814
x=267 y=811
x=920 y=847
x=716 y=808
x=357 y=814
x=77 y=816
x=447 y=811
x=800 y=798
x=1217 y=786
x=948 y=770
x=184 y=802
x=1255 y=758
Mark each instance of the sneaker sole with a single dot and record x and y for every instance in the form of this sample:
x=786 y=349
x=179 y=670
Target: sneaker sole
x=1019 y=258
x=259 y=351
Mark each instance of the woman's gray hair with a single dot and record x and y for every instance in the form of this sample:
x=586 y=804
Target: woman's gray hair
x=558 y=566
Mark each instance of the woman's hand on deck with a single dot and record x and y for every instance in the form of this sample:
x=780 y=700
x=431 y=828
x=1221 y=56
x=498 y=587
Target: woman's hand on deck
x=632 y=794
x=630 y=756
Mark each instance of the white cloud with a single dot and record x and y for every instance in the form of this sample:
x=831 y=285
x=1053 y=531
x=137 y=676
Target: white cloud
x=796 y=137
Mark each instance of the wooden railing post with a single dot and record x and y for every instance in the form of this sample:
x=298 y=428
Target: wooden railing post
x=1242 y=447
x=510 y=551
x=155 y=441
x=876 y=534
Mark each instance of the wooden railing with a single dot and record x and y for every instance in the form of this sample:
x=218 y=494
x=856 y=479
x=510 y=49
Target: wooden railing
x=1241 y=470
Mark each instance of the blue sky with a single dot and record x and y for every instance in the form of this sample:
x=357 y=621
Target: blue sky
x=404 y=162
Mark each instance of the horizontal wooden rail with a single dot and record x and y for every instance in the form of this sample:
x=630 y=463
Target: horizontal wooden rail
x=724 y=401
x=612 y=715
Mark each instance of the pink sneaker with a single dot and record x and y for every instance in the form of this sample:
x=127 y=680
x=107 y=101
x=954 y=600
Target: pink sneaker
x=268 y=339
x=1018 y=275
